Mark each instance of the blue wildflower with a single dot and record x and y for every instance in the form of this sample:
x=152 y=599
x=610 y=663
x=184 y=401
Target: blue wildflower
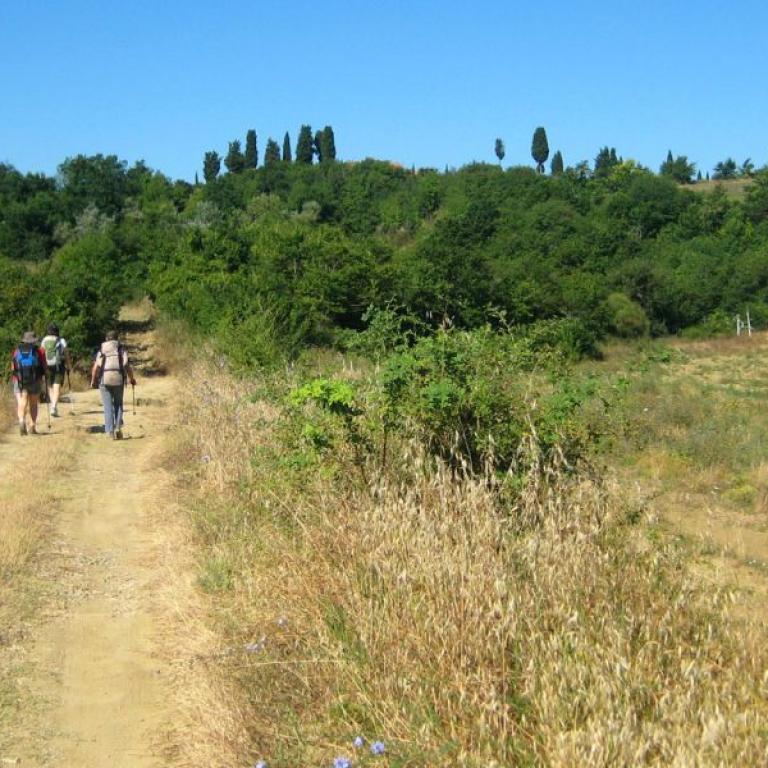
x=342 y=762
x=358 y=742
x=378 y=748
x=260 y=764
x=257 y=647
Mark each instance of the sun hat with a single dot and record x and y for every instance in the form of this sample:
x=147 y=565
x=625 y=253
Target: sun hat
x=29 y=337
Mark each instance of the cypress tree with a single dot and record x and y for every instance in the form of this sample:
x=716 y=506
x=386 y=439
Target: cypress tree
x=287 y=148
x=211 y=166
x=540 y=148
x=606 y=159
x=251 y=150
x=271 y=153
x=327 y=145
x=304 y=145
x=234 y=160
x=317 y=145
x=556 y=167
x=499 y=150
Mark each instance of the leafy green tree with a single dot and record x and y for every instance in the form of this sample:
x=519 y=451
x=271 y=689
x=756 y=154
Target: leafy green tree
x=235 y=160
x=251 y=150
x=499 y=150
x=271 y=154
x=540 y=148
x=211 y=166
x=725 y=169
x=605 y=161
x=304 y=145
x=287 y=148
x=97 y=180
x=747 y=170
x=678 y=168
x=327 y=152
x=556 y=166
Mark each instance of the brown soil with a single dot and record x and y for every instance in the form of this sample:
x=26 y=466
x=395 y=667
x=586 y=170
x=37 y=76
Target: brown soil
x=96 y=688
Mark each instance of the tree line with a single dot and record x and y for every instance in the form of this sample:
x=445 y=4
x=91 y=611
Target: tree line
x=677 y=167
x=320 y=145
x=274 y=256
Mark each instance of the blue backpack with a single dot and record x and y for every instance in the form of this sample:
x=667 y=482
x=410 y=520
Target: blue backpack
x=27 y=365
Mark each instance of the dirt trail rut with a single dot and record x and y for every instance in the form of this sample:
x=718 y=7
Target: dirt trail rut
x=96 y=661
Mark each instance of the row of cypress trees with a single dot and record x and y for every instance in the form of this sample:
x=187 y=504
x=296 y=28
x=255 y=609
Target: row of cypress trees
x=321 y=144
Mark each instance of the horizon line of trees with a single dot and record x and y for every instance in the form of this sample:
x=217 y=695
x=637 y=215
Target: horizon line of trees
x=678 y=168
x=321 y=145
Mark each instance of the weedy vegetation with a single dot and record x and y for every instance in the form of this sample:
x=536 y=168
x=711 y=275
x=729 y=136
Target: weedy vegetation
x=437 y=547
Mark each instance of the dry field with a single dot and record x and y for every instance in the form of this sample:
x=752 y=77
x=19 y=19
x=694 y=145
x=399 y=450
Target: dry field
x=586 y=624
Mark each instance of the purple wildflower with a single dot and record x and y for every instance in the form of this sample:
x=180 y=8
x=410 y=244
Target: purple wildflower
x=358 y=742
x=378 y=748
x=342 y=762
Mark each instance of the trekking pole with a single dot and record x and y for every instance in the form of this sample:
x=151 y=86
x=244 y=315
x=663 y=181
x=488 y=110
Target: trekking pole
x=133 y=398
x=48 y=403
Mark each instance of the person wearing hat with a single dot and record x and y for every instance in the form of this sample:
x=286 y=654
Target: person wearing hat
x=28 y=372
x=111 y=370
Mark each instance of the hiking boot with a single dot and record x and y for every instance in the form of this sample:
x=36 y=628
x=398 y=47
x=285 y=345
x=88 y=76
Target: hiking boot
x=33 y=430
x=119 y=434
x=22 y=429
x=54 y=411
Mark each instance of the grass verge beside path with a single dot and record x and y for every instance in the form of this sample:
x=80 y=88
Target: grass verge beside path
x=27 y=501
x=563 y=630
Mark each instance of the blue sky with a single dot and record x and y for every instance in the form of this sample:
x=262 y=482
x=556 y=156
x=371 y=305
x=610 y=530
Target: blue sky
x=425 y=83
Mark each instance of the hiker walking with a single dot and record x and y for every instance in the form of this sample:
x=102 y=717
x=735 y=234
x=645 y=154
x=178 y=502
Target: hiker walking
x=28 y=369
x=110 y=372
x=59 y=363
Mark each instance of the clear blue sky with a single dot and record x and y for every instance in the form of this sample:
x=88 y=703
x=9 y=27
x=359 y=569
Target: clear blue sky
x=420 y=82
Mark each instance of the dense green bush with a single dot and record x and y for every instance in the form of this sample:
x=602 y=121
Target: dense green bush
x=624 y=252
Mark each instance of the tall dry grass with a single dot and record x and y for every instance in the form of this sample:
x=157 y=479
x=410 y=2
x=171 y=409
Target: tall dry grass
x=26 y=505
x=559 y=630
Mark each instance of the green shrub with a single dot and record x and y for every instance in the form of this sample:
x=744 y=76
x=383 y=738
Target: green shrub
x=627 y=318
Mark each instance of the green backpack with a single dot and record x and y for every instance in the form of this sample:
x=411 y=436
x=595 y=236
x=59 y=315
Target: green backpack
x=52 y=347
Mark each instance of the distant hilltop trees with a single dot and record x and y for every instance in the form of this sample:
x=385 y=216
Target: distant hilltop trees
x=678 y=168
x=321 y=146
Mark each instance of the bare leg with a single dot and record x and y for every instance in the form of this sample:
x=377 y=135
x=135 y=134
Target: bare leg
x=33 y=409
x=55 y=392
x=21 y=406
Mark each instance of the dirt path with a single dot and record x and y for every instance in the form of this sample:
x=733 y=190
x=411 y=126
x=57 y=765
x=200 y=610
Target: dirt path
x=95 y=660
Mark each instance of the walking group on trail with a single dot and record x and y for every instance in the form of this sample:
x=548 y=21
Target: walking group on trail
x=39 y=369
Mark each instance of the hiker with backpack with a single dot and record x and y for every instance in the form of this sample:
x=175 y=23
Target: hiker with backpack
x=28 y=371
x=59 y=363
x=111 y=370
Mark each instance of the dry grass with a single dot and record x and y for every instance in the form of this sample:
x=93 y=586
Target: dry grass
x=7 y=411
x=25 y=524
x=732 y=187
x=559 y=631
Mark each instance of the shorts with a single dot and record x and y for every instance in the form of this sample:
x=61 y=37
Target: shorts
x=31 y=389
x=56 y=375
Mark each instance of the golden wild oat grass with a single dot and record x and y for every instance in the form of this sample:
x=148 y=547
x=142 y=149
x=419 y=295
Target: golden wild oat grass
x=26 y=502
x=559 y=631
